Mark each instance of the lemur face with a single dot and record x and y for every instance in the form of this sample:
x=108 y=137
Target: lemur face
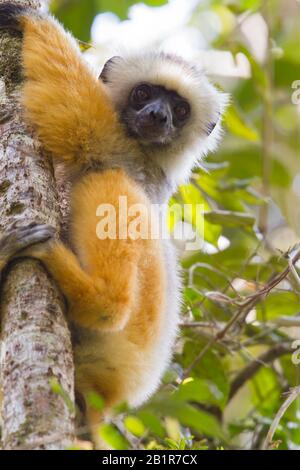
x=155 y=115
x=168 y=106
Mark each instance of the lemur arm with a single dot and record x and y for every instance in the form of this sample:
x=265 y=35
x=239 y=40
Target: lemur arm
x=100 y=301
x=94 y=301
x=62 y=98
x=74 y=120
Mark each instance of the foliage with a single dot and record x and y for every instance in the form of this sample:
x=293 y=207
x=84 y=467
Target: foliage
x=77 y=15
x=233 y=312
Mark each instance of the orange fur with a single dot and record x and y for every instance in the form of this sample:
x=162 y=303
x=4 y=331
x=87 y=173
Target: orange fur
x=103 y=282
x=74 y=117
x=115 y=288
x=123 y=294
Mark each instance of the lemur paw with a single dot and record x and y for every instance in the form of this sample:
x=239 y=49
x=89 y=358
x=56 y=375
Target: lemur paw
x=5 y=115
x=17 y=239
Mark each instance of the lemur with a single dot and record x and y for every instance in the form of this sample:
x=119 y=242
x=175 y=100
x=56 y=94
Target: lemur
x=137 y=131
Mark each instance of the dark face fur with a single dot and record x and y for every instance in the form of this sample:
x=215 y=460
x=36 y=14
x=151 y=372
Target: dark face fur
x=155 y=115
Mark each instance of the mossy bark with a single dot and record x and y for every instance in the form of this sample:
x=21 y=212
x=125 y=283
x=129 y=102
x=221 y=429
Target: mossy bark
x=36 y=348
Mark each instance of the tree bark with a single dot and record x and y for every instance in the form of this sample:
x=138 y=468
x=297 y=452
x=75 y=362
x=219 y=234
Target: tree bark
x=36 y=350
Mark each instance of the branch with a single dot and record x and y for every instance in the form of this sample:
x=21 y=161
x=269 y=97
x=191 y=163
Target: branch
x=248 y=372
x=288 y=322
x=294 y=394
x=267 y=130
x=35 y=340
x=244 y=307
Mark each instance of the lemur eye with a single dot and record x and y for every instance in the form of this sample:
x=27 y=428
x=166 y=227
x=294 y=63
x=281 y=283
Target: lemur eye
x=142 y=93
x=182 y=111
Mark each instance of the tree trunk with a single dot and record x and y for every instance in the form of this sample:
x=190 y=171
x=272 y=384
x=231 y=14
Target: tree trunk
x=37 y=373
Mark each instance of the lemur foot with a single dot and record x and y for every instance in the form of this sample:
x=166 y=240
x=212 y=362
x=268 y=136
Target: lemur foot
x=17 y=239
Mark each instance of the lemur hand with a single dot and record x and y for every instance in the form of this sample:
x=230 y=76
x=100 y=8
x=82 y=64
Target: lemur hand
x=16 y=241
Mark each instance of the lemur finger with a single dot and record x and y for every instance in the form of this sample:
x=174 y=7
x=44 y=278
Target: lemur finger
x=5 y=115
x=19 y=238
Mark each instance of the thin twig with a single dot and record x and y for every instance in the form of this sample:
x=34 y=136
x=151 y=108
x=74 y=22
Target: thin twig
x=294 y=271
x=245 y=306
x=197 y=324
x=267 y=130
x=294 y=394
x=288 y=322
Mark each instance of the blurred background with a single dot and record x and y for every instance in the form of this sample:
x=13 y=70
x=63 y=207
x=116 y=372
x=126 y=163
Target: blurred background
x=237 y=355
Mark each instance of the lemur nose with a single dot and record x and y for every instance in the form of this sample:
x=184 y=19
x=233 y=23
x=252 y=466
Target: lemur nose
x=158 y=116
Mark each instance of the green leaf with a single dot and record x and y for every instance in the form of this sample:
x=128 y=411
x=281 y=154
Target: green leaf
x=77 y=16
x=242 y=5
x=251 y=197
x=198 y=420
x=235 y=124
x=155 y=3
x=134 y=425
x=259 y=76
x=58 y=390
x=182 y=444
x=166 y=404
x=195 y=203
x=291 y=371
x=265 y=391
x=210 y=367
x=232 y=184
x=246 y=162
x=278 y=304
x=96 y=401
x=228 y=218
x=121 y=7
x=112 y=436
x=171 y=443
x=200 y=390
x=286 y=72
x=250 y=4
x=152 y=422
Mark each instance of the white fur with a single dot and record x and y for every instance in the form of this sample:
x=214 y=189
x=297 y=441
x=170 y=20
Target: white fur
x=207 y=105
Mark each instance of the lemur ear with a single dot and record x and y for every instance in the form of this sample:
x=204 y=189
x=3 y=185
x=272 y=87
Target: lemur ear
x=211 y=126
x=106 y=69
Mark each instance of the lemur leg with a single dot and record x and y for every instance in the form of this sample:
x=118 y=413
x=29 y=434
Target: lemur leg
x=95 y=419
x=94 y=302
